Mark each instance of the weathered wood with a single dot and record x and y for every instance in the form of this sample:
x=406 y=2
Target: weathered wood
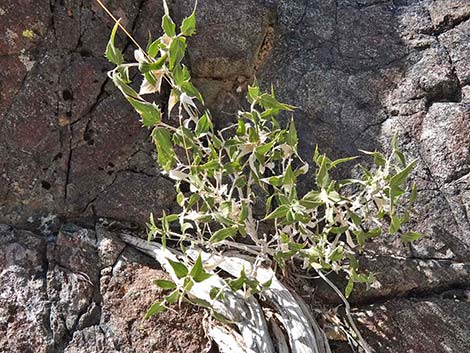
x=303 y=333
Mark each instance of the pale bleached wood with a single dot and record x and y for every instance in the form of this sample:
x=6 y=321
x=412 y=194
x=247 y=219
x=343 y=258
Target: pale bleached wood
x=246 y=313
x=228 y=341
x=279 y=338
x=304 y=334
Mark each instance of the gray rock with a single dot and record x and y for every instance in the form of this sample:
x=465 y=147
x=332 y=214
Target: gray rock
x=433 y=325
x=72 y=149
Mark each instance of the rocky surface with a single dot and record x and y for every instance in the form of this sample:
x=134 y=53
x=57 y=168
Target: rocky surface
x=85 y=291
x=72 y=151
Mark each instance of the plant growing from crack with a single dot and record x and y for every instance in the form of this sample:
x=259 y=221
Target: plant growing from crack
x=219 y=247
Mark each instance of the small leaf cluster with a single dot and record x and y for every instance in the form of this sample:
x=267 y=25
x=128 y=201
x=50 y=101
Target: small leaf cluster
x=179 y=290
x=228 y=171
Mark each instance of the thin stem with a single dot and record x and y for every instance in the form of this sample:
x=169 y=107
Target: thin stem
x=110 y=14
x=360 y=339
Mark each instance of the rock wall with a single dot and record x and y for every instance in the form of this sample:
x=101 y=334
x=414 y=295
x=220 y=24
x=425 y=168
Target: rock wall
x=75 y=162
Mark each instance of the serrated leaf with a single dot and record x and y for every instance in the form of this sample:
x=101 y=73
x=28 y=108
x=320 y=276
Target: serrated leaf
x=188 y=27
x=168 y=26
x=176 y=51
x=112 y=53
x=150 y=112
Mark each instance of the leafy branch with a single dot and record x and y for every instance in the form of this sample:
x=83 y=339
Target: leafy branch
x=255 y=159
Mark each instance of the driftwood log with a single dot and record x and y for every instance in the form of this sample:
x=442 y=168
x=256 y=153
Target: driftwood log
x=279 y=322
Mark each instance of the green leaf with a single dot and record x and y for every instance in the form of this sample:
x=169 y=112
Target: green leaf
x=112 y=53
x=333 y=164
x=156 y=308
x=221 y=318
x=153 y=48
x=349 y=288
x=260 y=151
x=178 y=76
x=191 y=90
x=243 y=213
x=180 y=269
x=188 y=27
x=394 y=224
x=394 y=141
x=197 y=272
x=215 y=293
x=289 y=176
x=237 y=284
x=253 y=93
x=222 y=234
x=321 y=177
x=337 y=254
x=166 y=155
x=203 y=125
x=176 y=51
x=414 y=194
x=400 y=178
x=150 y=112
x=127 y=90
x=164 y=284
x=292 y=138
x=279 y=212
x=379 y=158
x=355 y=218
x=401 y=157
x=172 y=297
x=411 y=236
x=267 y=101
x=268 y=283
x=168 y=26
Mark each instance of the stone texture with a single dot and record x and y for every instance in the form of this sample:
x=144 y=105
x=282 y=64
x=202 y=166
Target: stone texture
x=24 y=313
x=72 y=149
x=84 y=291
x=434 y=325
